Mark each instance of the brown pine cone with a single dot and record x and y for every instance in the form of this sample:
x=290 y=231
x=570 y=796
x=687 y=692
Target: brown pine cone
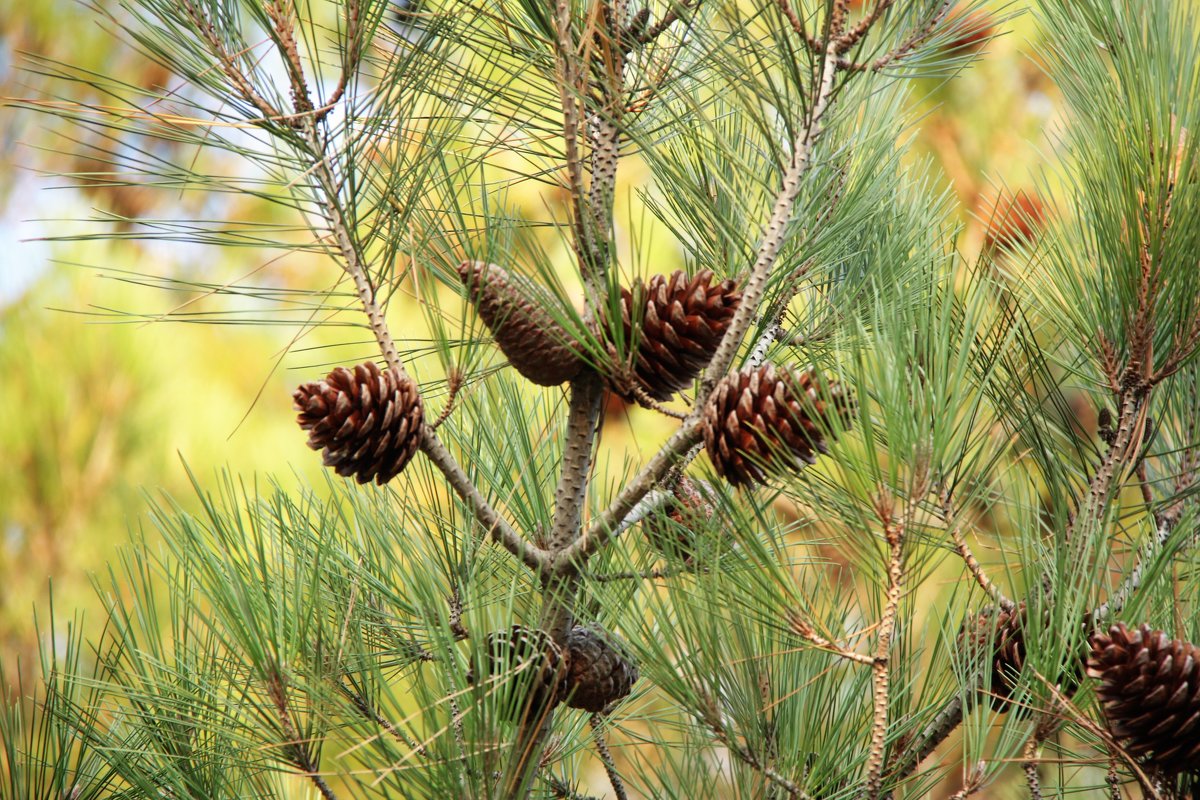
x=1150 y=692
x=1002 y=630
x=530 y=669
x=764 y=419
x=599 y=670
x=367 y=422
x=682 y=321
x=533 y=342
x=672 y=529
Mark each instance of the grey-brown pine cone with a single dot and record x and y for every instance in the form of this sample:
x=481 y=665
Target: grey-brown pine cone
x=599 y=669
x=768 y=419
x=367 y=422
x=1003 y=631
x=682 y=319
x=536 y=346
x=1150 y=692
x=529 y=668
x=672 y=530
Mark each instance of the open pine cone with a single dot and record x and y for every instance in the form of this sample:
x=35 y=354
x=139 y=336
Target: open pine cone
x=682 y=321
x=533 y=342
x=530 y=669
x=599 y=670
x=367 y=422
x=768 y=418
x=1150 y=692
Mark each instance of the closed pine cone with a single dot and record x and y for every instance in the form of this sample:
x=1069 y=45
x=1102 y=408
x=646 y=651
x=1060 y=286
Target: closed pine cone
x=672 y=529
x=1002 y=630
x=683 y=319
x=768 y=418
x=1150 y=692
x=533 y=342
x=367 y=422
x=529 y=666
x=599 y=670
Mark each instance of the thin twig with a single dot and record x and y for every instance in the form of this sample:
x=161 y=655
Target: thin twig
x=1030 y=766
x=747 y=757
x=775 y=233
x=893 y=531
x=710 y=715
x=496 y=527
x=241 y=83
x=968 y=557
x=657 y=29
x=972 y=784
x=610 y=766
x=1133 y=580
x=918 y=37
x=804 y=629
x=855 y=34
x=657 y=574
x=371 y=714
x=646 y=401
x=298 y=749
x=1066 y=709
x=1113 y=780
x=561 y=789
x=454 y=382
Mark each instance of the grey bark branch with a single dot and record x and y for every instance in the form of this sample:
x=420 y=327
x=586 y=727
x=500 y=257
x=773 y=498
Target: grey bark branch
x=607 y=524
x=532 y=556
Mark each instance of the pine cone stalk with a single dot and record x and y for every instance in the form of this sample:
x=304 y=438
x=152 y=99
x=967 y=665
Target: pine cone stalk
x=367 y=422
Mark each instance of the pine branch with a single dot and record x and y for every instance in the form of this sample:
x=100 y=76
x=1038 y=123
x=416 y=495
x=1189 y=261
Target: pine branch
x=968 y=557
x=493 y=524
x=775 y=232
x=296 y=747
x=558 y=594
x=354 y=263
x=610 y=766
x=608 y=524
x=894 y=534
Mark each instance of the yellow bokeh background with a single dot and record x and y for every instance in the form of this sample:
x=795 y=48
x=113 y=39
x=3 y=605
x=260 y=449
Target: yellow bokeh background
x=101 y=411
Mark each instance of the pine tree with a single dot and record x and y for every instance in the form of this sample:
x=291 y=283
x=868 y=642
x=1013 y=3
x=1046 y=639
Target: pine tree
x=510 y=611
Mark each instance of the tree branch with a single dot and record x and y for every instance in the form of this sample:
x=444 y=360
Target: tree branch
x=529 y=554
x=610 y=766
x=893 y=531
x=968 y=557
x=608 y=524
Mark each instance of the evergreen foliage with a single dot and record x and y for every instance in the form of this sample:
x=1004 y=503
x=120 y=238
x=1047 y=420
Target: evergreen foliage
x=821 y=635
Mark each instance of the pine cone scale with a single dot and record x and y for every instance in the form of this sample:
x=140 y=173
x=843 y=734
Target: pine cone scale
x=761 y=419
x=599 y=671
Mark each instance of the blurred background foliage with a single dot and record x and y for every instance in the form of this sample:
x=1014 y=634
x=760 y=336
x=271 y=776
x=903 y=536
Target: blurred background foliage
x=102 y=409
